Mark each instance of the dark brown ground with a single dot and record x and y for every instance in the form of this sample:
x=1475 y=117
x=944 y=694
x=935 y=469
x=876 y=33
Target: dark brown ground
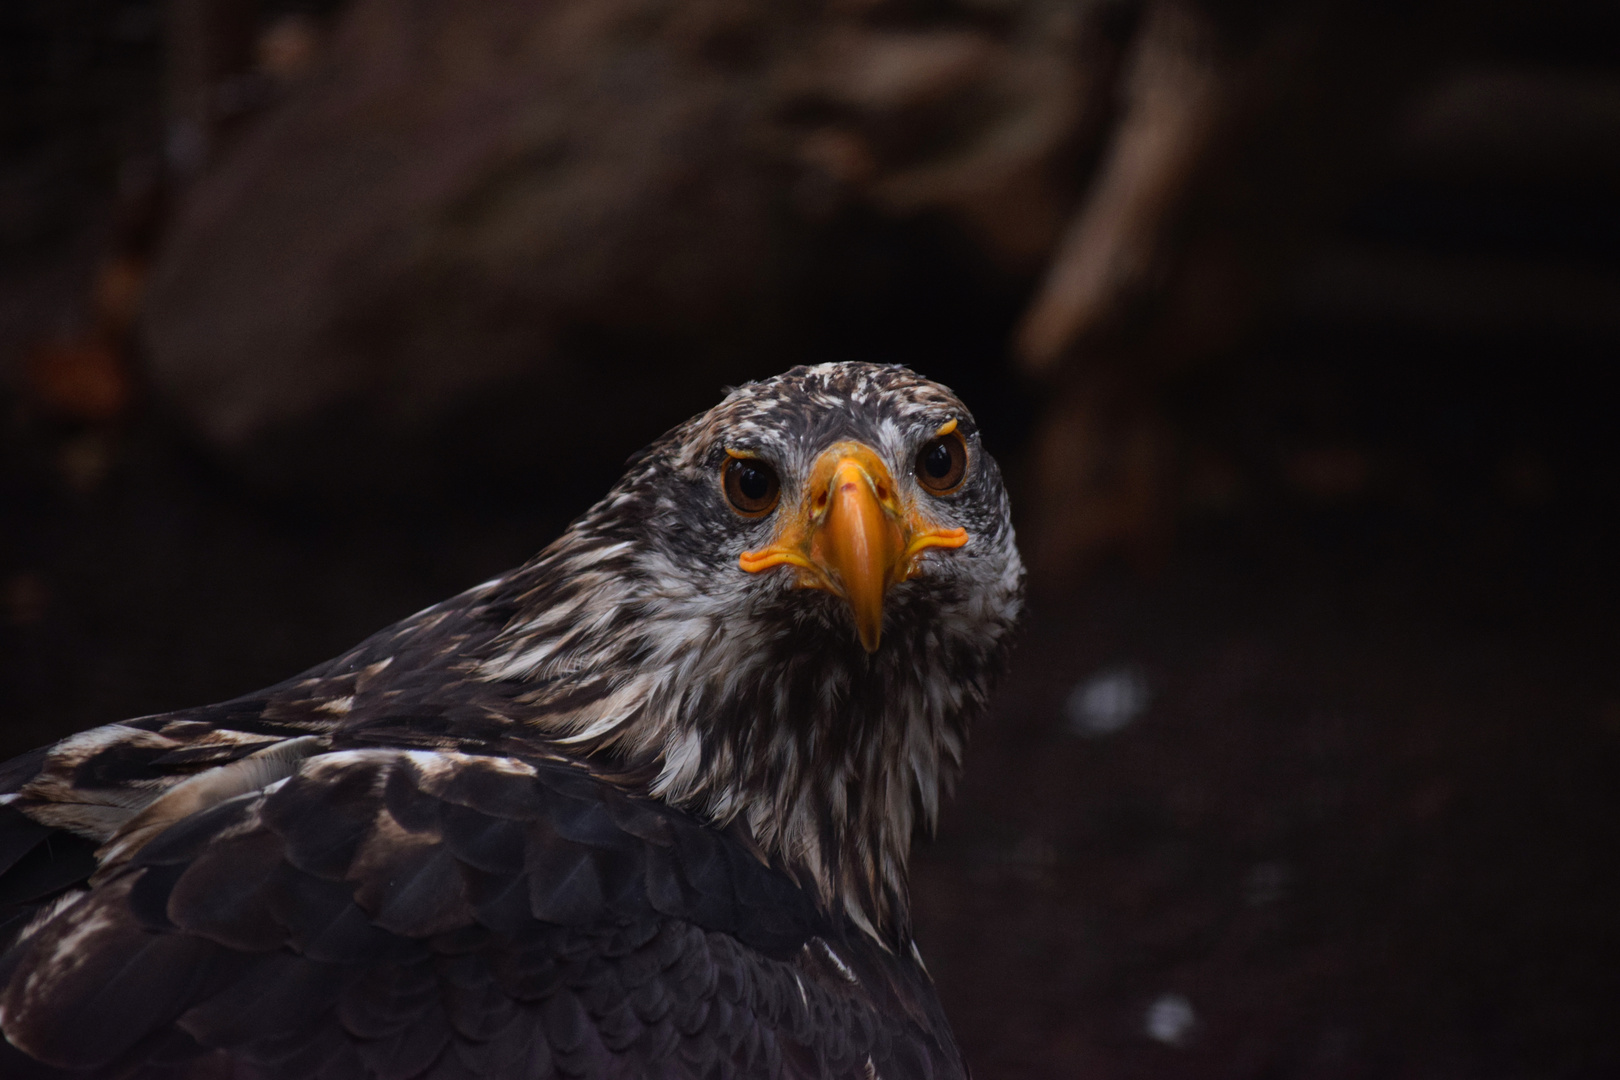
x=1362 y=833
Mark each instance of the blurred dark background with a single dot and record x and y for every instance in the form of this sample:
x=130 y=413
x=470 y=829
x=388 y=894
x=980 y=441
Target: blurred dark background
x=1294 y=324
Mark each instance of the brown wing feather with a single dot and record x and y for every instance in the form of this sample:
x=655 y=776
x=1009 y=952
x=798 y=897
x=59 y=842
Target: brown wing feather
x=409 y=915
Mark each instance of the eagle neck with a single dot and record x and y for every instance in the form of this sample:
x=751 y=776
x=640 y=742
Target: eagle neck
x=826 y=757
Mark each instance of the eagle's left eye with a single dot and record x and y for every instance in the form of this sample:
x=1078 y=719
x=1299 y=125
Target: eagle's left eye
x=942 y=463
x=751 y=486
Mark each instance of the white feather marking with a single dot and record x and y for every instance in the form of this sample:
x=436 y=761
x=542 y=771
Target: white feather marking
x=916 y=955
x=838 y=962
x=683 y=758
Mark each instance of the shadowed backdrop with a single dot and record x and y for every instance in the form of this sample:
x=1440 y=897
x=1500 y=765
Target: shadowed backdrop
x=1294 y=326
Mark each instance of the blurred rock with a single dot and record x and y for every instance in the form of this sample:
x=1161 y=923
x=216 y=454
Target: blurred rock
x=490 y=241
x=483 y=239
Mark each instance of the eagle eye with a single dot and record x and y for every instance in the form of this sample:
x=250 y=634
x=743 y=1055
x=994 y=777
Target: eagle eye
x=942 y=463
x=751 y=486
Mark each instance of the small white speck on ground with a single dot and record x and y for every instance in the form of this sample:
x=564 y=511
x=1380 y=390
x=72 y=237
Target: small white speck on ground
x=1107 y=702
x=1170 y=1019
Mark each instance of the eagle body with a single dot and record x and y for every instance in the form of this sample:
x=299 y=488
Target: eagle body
x=638 y=808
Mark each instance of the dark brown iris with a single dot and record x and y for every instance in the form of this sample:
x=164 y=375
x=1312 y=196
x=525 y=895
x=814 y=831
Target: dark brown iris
x=942 y=463
x=751 y=487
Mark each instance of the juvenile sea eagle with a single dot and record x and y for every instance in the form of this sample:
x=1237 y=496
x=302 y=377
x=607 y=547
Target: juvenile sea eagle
x=638 y=808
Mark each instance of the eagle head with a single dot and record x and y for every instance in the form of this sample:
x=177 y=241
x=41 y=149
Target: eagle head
x=783 y=618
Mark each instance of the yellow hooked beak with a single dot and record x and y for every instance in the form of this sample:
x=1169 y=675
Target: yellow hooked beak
x=851 y=536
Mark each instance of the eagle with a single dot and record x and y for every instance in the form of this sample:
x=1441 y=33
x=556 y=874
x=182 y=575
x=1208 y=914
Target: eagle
x=641 y=807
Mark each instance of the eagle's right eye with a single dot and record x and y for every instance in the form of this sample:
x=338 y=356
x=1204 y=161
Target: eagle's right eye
x=751 y=487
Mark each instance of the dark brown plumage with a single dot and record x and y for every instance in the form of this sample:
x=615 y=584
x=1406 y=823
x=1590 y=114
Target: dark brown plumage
x=640 y=807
